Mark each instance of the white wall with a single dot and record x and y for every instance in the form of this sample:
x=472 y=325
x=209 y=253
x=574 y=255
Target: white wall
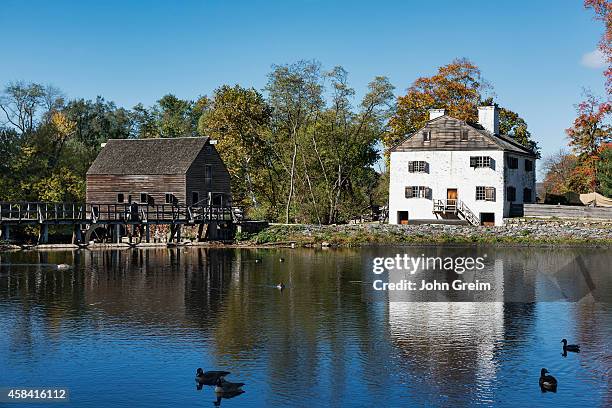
x=447 y=169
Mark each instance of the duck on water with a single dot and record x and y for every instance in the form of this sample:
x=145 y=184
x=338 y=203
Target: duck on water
x=547 y=382
x=209 y=377
x=225 y=387
x=570 y=347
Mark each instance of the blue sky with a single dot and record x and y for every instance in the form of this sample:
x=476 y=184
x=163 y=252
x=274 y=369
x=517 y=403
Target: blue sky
x=129 y=52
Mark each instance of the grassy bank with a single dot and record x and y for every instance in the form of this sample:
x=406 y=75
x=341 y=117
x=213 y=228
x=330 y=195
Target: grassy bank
x=365 y=234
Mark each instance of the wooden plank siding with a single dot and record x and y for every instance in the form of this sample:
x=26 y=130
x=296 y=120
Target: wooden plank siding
x=104 y=188
x=220 y=177
x=158 y=167
x=566 y=211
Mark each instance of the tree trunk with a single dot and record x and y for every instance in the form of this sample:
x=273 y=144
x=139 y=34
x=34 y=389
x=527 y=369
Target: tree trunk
x=291 y=182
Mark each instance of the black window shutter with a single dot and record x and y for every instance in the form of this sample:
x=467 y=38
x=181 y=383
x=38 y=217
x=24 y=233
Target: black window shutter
x=411 y=166
x=472 y=161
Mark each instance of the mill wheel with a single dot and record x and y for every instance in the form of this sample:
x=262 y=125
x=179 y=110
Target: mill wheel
x=97 y=233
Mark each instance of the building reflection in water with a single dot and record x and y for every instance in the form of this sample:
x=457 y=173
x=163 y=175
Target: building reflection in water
x=326 y=327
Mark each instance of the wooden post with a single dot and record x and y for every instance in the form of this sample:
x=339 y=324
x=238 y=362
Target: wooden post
x=200 y=230
x=147 y=233
x=79 y=234
x=6 y=232
x=117 y=233
x=43 y=237
x=178 y=233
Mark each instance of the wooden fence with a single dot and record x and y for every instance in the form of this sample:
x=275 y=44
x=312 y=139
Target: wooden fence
x=566 y=211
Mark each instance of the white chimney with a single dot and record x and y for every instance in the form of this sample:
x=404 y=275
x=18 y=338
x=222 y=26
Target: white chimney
x=436 y=113
x=488 y=117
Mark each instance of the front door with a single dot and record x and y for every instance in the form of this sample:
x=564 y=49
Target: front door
x=451 y=198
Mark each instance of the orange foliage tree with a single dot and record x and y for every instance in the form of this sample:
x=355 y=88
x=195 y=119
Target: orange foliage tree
x=457 y=87
x=591 y=130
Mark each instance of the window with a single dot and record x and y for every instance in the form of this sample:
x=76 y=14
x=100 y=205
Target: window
x=144 y=198
x=120 y=198
x=511 y=193
x=527 y=195
x=170 y=198
x=195 y=197
x=528 y=165
x=485 y=193
x=208 y=175
x=418 y=192
x=513 y=162
x=417 y=167
x=464 y=134
x=427 y=136
x=217 y=200
x=480 y=161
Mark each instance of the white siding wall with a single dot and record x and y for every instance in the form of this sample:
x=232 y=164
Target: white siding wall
x=447 y=169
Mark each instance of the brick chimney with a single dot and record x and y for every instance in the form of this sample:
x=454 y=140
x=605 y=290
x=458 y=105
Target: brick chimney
x=488 y=117
x=436 y=113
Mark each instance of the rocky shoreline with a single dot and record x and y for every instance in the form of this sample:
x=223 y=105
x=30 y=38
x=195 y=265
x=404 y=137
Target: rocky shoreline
x=516 y=231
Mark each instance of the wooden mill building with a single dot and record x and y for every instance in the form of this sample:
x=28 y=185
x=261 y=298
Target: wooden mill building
x=181 y=171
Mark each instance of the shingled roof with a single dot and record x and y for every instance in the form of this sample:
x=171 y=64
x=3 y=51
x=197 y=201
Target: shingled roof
x=147 y=156
x=506 y=142
x=485 y=139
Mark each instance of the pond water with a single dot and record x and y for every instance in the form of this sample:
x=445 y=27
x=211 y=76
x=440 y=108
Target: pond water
x=129 y=328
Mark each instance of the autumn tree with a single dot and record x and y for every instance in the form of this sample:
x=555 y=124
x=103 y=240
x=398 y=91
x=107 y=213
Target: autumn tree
x=459 y=88
x=559 y=169
x=591 y=129
x=238 y=119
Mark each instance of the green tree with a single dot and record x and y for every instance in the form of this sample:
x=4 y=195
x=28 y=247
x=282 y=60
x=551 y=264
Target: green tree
x=605 y=171
x=238 y=119
x=95 y=123
x=295 y=92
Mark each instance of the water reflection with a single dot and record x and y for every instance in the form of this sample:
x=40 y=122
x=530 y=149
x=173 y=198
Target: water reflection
x=149 y=316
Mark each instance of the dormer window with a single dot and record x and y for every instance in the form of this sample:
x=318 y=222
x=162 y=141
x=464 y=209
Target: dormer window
x=417 y=167
x=464 y=134
x=427 y=136
x=480 y=161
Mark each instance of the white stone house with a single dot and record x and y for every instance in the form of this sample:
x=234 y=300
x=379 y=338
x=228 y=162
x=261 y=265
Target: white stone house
x=452 y=169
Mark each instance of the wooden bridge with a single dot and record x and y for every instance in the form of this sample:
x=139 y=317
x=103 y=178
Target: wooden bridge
x=103 y=221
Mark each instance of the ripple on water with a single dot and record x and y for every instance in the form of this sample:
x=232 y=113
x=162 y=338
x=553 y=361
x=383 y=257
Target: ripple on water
x=145 y=320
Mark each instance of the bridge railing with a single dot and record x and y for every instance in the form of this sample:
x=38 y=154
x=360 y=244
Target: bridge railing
x=41 y=211
x=115 y=212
